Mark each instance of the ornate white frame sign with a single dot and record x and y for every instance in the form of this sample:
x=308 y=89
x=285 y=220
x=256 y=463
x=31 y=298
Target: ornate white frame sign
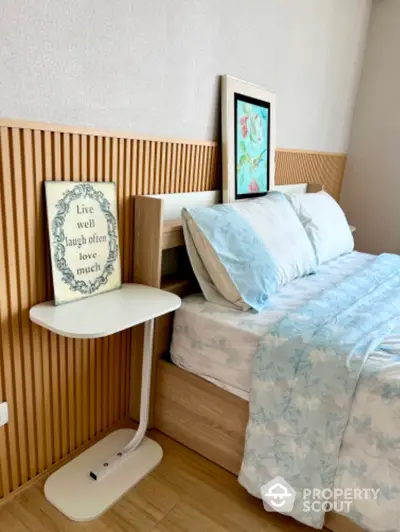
x=83 y=231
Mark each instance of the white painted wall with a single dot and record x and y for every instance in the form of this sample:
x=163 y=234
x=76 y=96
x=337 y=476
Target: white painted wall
x=152 y=66
x=371 y=190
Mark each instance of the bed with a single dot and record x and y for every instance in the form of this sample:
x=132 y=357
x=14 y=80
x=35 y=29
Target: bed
x=218 y=344
x=201 y=398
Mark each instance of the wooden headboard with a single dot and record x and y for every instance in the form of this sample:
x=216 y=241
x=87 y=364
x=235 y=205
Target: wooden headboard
x=61 y=392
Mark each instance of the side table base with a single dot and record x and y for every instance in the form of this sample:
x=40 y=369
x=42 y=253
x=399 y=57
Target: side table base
x=75 y=494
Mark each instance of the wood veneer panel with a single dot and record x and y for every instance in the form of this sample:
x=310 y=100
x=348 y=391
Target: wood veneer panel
x=184 y=401
x=294 y=166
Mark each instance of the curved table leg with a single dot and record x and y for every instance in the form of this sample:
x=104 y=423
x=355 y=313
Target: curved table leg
x=114 y=461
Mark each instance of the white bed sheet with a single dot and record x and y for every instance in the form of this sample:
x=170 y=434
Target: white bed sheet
x=218 y=343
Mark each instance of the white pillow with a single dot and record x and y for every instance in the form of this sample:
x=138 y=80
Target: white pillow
x=325 y=224
x=243 y=252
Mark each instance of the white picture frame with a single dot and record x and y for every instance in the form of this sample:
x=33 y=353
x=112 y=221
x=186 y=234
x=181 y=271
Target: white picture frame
x=237 y=177
x=84 y=242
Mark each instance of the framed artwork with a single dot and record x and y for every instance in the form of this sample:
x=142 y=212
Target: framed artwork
x=83 y=232
x=248 y=140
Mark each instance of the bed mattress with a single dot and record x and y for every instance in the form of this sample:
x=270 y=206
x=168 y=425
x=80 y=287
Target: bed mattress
x=219 y=343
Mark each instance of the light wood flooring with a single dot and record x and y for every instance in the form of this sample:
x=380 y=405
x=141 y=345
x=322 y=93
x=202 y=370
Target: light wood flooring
x=185 y=493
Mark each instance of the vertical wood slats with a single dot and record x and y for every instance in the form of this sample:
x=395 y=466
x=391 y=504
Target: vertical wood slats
x=64 y=392
x=293 y=166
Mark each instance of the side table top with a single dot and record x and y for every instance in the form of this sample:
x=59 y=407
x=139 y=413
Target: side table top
x=105 y=314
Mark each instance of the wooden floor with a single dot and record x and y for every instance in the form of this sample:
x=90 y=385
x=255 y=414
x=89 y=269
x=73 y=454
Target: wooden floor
x=185 y=493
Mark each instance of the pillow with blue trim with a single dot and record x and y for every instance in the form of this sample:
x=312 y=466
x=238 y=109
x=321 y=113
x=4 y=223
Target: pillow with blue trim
x=243 y=252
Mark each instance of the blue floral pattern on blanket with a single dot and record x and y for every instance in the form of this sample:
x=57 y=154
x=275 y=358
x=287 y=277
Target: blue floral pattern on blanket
x=304 y=378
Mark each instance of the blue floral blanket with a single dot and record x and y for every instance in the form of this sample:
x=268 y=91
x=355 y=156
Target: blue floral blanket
x=304 y=379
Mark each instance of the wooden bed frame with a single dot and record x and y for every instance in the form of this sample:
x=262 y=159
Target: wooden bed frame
x=189 y=409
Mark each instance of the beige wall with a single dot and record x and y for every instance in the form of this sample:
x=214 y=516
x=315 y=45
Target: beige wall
x=371 y=189
x=153 y=66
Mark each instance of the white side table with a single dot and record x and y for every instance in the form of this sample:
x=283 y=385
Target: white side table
x=87 y=486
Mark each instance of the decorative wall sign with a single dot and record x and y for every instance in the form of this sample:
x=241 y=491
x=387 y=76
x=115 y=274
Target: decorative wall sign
x=248 y=140
x=83 y=232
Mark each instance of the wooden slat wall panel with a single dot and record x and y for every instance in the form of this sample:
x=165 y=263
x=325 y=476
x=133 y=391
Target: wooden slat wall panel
x=62 y=392
x=292 y=166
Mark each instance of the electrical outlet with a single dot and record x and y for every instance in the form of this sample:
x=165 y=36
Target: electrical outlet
x=3 y=414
